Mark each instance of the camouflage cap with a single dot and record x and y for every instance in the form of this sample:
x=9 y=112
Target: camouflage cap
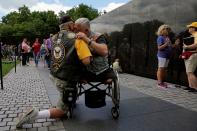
x=65 y=19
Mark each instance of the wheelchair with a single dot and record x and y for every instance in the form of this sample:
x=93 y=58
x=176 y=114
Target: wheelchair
x=95 y=95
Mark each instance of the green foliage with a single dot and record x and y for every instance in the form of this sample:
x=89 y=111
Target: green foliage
x=11 y=18
x=61 y=14
x=6 y=67
x=17 y=25
x=83 y=11
x=24 y=23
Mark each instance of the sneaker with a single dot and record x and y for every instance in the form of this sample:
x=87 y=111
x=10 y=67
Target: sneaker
x=187 y=88
x=26 y=117
x=162 y=85
x=166 y=85
x=169 y=85
x=178 y=86
x=193 y=90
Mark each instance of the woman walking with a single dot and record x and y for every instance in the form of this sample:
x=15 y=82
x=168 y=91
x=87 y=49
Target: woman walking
x=36 y=51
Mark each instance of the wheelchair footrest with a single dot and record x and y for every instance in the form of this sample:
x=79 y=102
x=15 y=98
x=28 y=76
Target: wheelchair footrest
x=69 y=96
x=95 y=98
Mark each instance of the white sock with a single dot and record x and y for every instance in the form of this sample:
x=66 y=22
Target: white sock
x=43 y=114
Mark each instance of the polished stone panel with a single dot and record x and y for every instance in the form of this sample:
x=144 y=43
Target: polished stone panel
x=132 y=29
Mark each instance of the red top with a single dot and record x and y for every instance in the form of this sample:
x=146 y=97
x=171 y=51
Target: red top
x=36 y=47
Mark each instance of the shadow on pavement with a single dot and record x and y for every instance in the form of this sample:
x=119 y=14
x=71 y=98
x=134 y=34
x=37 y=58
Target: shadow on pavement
x=138 y=112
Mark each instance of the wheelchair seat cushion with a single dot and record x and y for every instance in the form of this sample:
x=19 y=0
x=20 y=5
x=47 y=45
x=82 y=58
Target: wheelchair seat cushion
x=102 y=77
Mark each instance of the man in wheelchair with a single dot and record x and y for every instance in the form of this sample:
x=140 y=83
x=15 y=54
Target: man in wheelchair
x=99 y=68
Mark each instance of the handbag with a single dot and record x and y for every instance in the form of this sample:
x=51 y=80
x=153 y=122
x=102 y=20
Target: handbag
x=186 y=54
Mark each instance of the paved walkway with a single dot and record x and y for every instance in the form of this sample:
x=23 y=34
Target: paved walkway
x=143 y=105
x=172 y=94
x=21 y=90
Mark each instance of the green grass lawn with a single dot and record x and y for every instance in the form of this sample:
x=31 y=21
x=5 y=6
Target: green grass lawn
x=7 y=67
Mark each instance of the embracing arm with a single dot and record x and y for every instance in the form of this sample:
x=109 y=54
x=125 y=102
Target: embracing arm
x=100 y=48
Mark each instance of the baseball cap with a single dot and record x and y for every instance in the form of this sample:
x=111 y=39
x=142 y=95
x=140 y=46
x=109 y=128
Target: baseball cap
x=193 y=24
x=65 y=19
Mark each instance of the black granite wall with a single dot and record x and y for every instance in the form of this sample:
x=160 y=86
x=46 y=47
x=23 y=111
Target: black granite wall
x=136 y=48
x=132 y=30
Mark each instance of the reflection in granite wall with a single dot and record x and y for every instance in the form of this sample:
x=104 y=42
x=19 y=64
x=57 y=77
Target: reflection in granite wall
x=136 y=48
x=132 y=30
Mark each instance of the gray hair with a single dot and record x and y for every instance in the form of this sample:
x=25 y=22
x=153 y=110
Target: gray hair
x=83 y=21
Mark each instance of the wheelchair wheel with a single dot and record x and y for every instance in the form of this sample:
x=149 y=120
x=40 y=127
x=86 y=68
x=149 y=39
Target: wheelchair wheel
x=115 y=112
x=115 y=97
x=70 y=113
x=116 y=91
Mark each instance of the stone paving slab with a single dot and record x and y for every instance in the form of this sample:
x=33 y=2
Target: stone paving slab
x=23 y=89
x=172 y=94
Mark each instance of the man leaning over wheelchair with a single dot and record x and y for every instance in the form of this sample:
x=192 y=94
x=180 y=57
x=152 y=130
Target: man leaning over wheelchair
x=68 y=57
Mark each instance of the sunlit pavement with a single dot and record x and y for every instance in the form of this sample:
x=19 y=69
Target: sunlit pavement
x=143 y=106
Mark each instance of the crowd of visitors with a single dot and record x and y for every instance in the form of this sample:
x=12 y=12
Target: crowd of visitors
x=8 y=52
x=38 y=51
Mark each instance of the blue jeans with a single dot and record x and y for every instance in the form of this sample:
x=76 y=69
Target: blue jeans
x=48 y=60
x=24 y=59
x=36 y=58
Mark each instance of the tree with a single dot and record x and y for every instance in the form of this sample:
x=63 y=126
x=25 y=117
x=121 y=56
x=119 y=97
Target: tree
x=61 y=14
x=11 y=18
x=83 y=11
x=24 y=14
x=24 y=23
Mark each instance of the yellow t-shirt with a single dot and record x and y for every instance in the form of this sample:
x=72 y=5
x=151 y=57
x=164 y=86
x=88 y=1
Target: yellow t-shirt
x=82 y=49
